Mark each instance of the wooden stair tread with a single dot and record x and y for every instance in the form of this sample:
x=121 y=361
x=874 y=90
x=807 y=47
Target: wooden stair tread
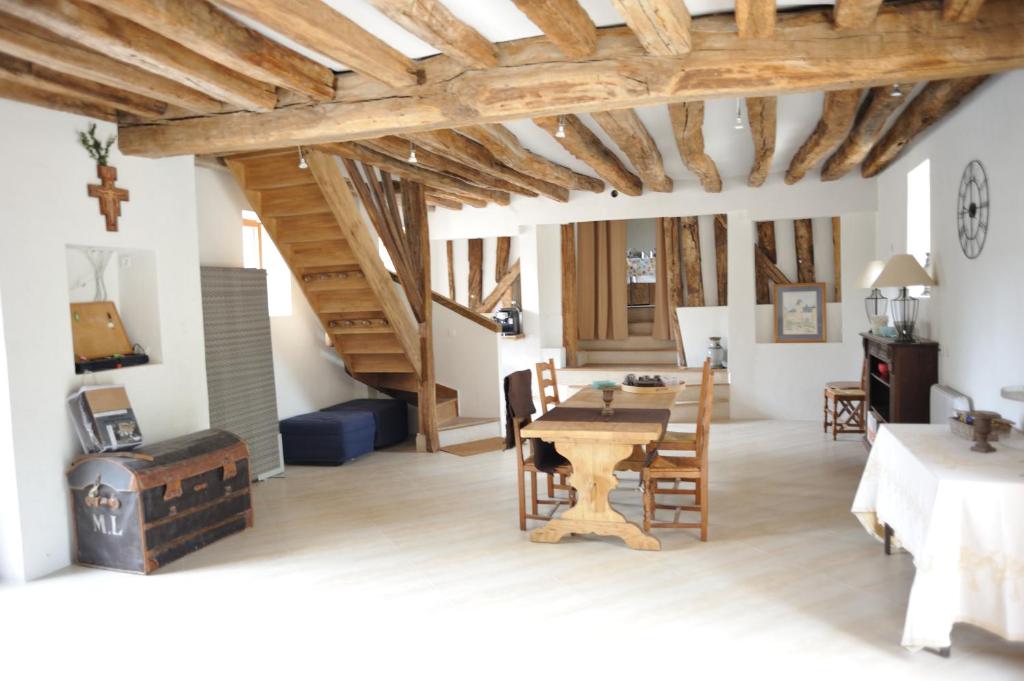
x=385 y=363
x=465 y=422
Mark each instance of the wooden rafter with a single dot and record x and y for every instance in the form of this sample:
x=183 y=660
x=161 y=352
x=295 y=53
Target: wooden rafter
x=565 y=23
x=878 y=106
x=506 y=148
x=961 y=10
x=501 y=255
x=409 y=171
x=582 y=143
x=690 y=238
x=476 y=273
x=534 y=79
x=570 y=324
x=204 y=29
x=629 y=134
x=855 y=13
x=933 y=102
x=25 y=40
x=434 y=24
x=837 y=258
x=435 y=199
x=27 y=74
x=398 y=149
x=688 y=128
x=803 y=235
x=772 y=272
x=662 y=26
x=755 y=18
x=471 y=153
x=131 y=43
x=501 y=290
x=722 y=258
x=58 y=102
x=316 y=25
x=838 y=111
x=765 y=246
x=450 y=252
x=761 y=113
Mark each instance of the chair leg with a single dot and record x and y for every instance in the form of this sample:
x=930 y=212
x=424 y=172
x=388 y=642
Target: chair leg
x=551 y=486
x=824 y=428
x=703 y=487
x=835 y=419
x=522 y=501
x=649 y=486
x=534 y=506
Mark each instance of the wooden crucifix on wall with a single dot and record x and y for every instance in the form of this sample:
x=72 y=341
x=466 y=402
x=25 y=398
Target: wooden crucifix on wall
x=110 y=196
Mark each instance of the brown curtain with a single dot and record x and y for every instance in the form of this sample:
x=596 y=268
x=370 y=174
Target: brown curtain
x=601 y=278
x=667 y=285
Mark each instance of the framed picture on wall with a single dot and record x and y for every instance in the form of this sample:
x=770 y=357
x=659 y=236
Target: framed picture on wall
x=800 y=313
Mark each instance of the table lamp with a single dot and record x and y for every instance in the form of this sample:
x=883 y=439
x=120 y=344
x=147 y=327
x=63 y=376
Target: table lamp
x=902 y=271
x=875 y=304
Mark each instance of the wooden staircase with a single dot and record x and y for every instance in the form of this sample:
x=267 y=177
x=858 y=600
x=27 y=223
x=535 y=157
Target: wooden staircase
x=336 y=262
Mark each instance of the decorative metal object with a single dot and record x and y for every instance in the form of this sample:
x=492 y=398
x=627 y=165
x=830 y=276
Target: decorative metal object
x=716 y=353
x=972 y=209
x=607 y=395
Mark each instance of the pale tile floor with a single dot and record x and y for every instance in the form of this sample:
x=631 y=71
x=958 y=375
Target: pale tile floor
x=406 y=565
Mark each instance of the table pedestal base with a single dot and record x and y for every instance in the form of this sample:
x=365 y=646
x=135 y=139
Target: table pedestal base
x=593 y=477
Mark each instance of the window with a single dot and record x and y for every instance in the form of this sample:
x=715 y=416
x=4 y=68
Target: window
x=919 y=216
x=259 y=252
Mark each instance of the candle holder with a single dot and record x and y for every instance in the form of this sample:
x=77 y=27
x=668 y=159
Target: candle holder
x=983 y=430
x=607 y=394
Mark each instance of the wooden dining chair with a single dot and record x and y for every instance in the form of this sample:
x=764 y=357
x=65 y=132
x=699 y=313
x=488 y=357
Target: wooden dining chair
x=547 y=377
x=682 y=469
x=845 y=405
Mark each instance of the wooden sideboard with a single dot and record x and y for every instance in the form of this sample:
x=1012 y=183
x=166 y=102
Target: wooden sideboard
x=901 y=394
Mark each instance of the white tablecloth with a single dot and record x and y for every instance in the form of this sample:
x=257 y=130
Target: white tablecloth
x=961 y=515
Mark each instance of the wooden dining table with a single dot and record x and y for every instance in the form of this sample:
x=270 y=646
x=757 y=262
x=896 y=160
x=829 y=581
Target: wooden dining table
x=595 y=445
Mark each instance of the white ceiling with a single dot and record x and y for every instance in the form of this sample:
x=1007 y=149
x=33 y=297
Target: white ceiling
x=500 y=20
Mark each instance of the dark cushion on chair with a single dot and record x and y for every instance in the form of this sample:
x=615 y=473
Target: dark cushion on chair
x=327 y=437
x=391 y=418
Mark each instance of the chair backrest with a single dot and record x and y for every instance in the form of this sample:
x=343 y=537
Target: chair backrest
x=547 y=378
x=704 y=408
x=518 y=398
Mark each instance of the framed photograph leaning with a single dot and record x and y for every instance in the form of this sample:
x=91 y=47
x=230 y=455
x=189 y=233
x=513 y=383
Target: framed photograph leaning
x=800 y=313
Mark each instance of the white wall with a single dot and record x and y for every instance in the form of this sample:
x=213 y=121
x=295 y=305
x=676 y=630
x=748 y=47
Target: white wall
x=466 y=358
x=12 y=565
x=976 y=312
x=44 y=173
x=308 y=374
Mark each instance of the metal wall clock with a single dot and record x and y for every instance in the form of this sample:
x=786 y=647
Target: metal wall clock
x=972 y=209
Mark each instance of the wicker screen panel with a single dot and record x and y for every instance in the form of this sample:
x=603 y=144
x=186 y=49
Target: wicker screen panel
x=240 y=363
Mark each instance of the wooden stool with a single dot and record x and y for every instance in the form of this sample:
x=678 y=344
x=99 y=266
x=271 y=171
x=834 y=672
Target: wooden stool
x=844 y=407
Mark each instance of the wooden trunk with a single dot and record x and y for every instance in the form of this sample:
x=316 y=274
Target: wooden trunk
x=137 y=511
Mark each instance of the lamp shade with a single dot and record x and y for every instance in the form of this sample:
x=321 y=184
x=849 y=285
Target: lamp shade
x=903 y=270
x=870 y=273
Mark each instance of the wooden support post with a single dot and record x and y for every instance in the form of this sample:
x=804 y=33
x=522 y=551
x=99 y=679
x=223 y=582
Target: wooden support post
x=691 y=263
x=837 y=258
x=803 y=234
x=415 y=205
x=722 y=257
x=501 y=257
x=501 y=291
x=476 y=278
x=674 y=262
x=451 y=269
x=570 y=325
x=766 y=242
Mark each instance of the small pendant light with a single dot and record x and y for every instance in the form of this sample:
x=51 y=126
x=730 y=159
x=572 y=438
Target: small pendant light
x=739 y=117
x=560 y=132
x=896 y=91
x=412 y=154
x=302 y=160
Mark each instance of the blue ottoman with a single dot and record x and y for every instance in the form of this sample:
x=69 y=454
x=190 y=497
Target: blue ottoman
x=390 y=416
x=327 y=438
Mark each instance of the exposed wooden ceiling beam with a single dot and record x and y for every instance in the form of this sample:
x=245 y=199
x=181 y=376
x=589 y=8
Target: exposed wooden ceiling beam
x=933 y=102
x=473 y=201
x=25 y=73
x=434 y=24
x=471 y=153
x=415 y=173
x=565 y=23
x=203 y=28
x=435 y=199
x=58 y=102
x=582 y=143
x=867 y=128
x=837 y=115
x=131 y=43
x=908 y=43
x=506 y=148
x=855 y=13
x=755 y=18
x=628 y=132
x=662 y=26
x=761 y=114
x=687 y=126
x=961 y=10
x=314 y=24
x=27 y=41
x=398 y=149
